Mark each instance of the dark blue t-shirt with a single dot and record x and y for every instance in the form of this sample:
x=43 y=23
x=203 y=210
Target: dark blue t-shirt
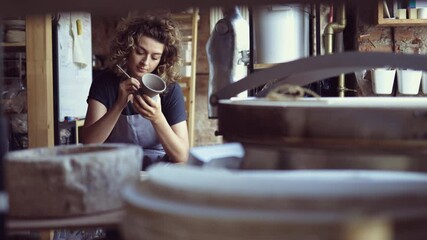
x=105 y=87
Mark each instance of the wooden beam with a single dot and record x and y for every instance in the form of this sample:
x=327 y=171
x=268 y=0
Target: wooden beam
x=39 y=81
x=113 y=7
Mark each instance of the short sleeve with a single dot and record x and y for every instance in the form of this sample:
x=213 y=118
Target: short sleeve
x=173 y=105
x=104 y=88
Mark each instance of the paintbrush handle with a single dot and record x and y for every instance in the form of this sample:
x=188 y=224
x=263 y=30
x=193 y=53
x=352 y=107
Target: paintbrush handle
x=123 y=71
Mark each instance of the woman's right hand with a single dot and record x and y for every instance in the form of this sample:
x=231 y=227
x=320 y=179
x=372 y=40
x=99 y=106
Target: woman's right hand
x=126 y=90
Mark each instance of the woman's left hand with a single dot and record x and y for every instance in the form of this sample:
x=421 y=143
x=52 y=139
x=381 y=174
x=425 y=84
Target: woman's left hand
x=148 y=107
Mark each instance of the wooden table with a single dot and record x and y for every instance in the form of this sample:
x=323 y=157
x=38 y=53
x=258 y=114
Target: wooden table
x=108 y=220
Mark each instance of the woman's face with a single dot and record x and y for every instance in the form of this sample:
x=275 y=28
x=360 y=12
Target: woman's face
x=145 y=57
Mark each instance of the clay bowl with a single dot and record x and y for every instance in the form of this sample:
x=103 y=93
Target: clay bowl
x=69 y=180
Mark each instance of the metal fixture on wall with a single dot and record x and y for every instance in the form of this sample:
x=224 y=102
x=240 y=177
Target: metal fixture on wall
x=331 y=29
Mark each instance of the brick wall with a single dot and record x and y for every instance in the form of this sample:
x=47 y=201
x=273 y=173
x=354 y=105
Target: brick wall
x=373 y=38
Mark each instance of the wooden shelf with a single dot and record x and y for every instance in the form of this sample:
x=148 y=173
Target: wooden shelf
x=38 y=60
x=13 y=47
x=402 y=22
x=188 y=38
x=264 y=65
x=391 y=22
x=20 y=44
x=183 y=17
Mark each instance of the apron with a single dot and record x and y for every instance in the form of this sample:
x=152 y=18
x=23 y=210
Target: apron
x=134 y=129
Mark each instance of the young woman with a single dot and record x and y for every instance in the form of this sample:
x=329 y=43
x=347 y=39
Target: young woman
x=117 y=114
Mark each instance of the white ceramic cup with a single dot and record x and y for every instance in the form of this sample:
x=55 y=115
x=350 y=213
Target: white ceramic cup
x=401 y=13
x=422 y=13
x=383 y=80
x=412 y=13
x=152 y=85
x=408 y=81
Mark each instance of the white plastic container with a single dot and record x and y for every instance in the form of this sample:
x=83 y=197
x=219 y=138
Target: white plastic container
x=383 y=80
x=281 y=33
x=408 y=81
x=422 y=13
x=424 y=83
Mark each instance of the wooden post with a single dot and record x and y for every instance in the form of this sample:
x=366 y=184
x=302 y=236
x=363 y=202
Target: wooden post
x=39 y=81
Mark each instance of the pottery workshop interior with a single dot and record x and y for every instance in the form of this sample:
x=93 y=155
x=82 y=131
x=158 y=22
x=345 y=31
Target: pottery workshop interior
x=213 y=120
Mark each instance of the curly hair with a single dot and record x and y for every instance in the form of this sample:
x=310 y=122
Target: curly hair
x=162 y=29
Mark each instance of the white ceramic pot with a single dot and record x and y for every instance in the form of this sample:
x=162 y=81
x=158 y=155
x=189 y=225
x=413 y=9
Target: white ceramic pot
x=383 y=80
x=408 y=81
x=192 y=203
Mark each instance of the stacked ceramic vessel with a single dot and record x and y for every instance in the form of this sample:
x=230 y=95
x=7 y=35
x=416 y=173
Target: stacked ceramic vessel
x=14 y=30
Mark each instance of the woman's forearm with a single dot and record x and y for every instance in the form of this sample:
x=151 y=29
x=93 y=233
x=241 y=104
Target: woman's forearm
x=175 y=142
x=100 y=130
